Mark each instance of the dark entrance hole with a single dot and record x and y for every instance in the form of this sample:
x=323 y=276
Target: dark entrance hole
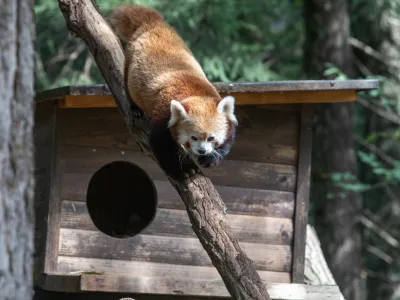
x=121 y=199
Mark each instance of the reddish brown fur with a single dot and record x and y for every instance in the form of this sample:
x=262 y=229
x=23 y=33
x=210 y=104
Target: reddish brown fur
x=127 y=19
x=159 y=67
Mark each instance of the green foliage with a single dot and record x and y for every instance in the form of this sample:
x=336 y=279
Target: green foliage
x=390 y=175
x=393 y=134
x=331 y=69
x=234 y=40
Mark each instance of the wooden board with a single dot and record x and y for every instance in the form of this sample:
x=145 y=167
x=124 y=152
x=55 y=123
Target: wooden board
x=255 y=202
x=194 y=287
x=186 y=287
x=303 y=186
x=263 y=135
x=244 y=98
x=331 y=87
x=172 y=222
x=164 y=249
x=229 y=87
x=76 y=265
x=247 y=174
x=54 y=215
x=45 y=122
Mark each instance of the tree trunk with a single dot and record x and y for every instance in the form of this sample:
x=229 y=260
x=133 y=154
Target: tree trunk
x=204 y=205
x=381 y=34
x=327 y=33
x=16 y=154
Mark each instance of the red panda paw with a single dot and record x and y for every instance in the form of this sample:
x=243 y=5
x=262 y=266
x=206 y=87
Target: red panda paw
x=208 y=161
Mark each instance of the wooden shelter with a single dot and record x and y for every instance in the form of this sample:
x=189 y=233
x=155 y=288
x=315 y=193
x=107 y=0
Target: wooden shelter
x=108 y=220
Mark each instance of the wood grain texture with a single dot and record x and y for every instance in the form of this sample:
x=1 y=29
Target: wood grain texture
x=54 y=215
x=228 y=87
x=312 y=293
x=171 y=222
x=263 y=135
x=192 y=287
x=155 y=286
x=164 y=249
x=316 y=271
x=247 y=174
x=43 y=134
x=303 y=187
x=245 y=201
x=241 y=98
x=76 y=265
x=283 y=107
x=291 y=97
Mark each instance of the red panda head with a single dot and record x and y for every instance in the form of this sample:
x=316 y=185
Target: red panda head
x=201 y=124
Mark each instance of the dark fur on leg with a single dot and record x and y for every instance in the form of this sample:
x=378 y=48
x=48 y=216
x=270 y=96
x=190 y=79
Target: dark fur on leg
x=134 y=107
x=209 y=161
x=166 y=151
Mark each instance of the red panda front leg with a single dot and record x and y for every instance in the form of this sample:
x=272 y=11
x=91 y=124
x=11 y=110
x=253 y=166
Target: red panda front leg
x=166 y=151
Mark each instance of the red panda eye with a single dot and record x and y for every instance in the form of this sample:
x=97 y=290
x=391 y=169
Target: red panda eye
x=194 y=138
x=210 y=139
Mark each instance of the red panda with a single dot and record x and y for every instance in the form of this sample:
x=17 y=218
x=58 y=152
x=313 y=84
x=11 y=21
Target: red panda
x=165 y=80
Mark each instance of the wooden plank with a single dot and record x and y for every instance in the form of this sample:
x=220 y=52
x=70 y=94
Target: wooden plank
x=284 y=107
x=185 y=286
x=87 y=101
x=160 y=280
x=316 y=270
x=247 y=174
x=164 y=249
x=262 y=136
x=163 y=279
x=44 y=129
x=60 y=282
x=238 y=200
x=287 y=97
x=324 y=293
x=171 y=222
x=54 y=216
x=241 y=98
x=303 y=186
x=228 y=87
x=76 y=265
x=194 y=287
x=298 y=85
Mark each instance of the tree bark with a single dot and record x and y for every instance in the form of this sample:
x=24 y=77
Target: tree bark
x=327 y=35
x=16 y=153
x=204 y=205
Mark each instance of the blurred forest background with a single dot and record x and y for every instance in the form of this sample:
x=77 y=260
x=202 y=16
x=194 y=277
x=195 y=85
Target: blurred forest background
x=355 y=192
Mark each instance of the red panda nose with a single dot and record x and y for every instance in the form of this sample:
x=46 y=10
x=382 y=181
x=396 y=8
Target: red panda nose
x=202 y=151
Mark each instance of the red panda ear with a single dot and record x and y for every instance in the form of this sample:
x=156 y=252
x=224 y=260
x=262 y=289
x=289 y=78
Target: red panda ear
x=177 y=112
x=227 y=107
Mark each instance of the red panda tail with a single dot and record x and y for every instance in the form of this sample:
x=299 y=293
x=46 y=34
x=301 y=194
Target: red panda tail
x=128 y=18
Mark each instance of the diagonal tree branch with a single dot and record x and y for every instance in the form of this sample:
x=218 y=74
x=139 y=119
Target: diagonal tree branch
x=204 y=205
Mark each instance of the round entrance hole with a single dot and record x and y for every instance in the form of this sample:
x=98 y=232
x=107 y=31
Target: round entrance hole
x=121 y=199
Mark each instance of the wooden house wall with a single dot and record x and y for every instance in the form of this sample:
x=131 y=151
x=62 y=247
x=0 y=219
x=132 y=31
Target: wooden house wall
x=257 y=182
x=44 y=131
